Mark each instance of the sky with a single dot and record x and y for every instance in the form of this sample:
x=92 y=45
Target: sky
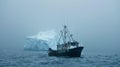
x=95 y=23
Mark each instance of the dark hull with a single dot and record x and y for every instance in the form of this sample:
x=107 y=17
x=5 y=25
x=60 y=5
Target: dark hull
x=73 y=52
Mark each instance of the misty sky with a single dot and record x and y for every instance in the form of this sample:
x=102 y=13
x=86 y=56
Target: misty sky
x=94 y=22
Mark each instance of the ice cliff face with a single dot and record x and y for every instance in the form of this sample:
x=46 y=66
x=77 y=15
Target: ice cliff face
x=41 y=41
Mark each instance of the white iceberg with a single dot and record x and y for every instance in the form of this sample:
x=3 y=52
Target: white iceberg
x=41 y=41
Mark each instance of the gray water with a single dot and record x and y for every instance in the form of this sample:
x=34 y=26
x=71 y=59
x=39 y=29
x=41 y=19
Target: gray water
x=41 y=59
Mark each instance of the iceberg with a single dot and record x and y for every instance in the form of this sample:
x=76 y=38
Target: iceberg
x=41 y=41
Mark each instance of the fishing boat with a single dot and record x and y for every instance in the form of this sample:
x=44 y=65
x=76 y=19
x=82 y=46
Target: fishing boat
x=66 y=45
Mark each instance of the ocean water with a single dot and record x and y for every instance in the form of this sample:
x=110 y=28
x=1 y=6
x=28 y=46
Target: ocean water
x=41 y=59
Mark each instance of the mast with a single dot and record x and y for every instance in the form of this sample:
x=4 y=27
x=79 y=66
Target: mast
x=64 y=33
x=63 y=37
x=66 y=38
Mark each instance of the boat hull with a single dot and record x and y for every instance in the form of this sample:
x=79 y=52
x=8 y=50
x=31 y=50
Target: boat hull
x=73 y=52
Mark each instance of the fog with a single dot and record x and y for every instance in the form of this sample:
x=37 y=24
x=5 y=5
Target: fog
x=95 y=23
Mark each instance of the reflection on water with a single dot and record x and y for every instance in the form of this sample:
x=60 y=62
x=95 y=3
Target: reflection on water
x=41 y=59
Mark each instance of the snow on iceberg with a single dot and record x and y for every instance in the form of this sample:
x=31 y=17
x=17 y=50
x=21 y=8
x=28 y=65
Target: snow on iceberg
x=41 y=41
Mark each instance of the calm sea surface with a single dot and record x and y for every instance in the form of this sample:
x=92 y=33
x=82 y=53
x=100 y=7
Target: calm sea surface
x=41 y=59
